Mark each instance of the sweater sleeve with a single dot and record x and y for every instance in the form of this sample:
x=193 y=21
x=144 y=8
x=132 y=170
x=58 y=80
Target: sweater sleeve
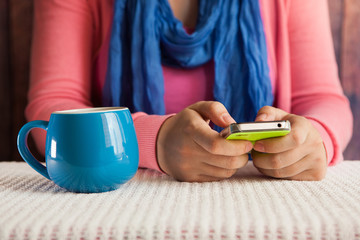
x=61 y=62
x=316 y=89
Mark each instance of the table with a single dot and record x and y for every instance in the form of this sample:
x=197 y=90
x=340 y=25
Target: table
x=154 y=206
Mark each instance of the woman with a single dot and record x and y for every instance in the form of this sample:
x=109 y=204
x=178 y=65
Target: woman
x=275 y=53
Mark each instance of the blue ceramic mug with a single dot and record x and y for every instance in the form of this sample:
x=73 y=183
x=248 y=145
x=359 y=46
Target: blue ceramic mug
x=87 y=150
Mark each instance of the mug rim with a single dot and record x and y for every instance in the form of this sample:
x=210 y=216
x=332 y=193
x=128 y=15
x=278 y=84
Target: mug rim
x=91 y=110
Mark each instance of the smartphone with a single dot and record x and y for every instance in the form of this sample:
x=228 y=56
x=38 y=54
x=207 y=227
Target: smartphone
x=253 y=131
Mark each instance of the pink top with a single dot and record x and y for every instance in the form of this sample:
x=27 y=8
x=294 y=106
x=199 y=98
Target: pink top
x=69 y=59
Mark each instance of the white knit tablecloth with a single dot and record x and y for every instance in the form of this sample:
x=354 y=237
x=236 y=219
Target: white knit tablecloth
x=154 y=206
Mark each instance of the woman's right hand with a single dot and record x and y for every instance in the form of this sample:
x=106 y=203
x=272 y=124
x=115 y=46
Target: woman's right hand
x=189 y=150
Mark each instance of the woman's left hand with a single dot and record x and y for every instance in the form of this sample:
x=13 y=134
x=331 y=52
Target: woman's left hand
x=300 y=155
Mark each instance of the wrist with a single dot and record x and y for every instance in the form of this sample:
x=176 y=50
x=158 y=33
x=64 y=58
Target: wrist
x=161 y=146
x=147 y=128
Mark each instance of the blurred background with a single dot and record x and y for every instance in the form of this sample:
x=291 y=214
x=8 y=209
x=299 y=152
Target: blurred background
x=15 y=41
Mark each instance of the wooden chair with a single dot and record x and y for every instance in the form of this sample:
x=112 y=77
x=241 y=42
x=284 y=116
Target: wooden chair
x=345 y=22
x=15 y=39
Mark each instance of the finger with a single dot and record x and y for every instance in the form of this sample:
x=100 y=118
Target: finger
x=217 y=172
x=316 y=170
x=268 y=113
x=297 y=137
x=278 y=160
x=214 y=111
x=289 y=171
x=199 y=178
x=205 y=178
x=213 y=143
x=226 y=162
x=310 y=175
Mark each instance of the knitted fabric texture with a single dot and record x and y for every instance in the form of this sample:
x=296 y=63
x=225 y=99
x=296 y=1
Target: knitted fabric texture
x=154 y=206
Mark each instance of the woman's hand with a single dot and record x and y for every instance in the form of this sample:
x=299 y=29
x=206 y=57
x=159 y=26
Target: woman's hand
x=300 y=155
x=189 y=150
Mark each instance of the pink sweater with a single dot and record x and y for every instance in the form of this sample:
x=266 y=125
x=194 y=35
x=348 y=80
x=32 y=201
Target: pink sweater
x=69 y=59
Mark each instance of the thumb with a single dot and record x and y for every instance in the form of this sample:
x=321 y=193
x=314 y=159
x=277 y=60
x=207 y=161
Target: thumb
x=269 y=113
x=214 y=111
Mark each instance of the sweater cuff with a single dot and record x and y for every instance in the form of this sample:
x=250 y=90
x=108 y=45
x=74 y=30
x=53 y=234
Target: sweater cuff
x=330 y=146
x=147 y=128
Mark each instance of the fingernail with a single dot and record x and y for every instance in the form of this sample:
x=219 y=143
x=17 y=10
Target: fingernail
x=262 y=117
x=259 y=146
x=249 y=146
x=227 y=118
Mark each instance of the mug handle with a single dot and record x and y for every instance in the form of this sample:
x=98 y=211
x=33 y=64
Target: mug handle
x=24 y=148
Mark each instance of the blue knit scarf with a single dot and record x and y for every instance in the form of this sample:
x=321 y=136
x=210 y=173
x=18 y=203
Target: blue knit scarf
x=145 y=35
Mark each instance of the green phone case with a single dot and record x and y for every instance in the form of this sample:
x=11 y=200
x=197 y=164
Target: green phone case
x=257 y=135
